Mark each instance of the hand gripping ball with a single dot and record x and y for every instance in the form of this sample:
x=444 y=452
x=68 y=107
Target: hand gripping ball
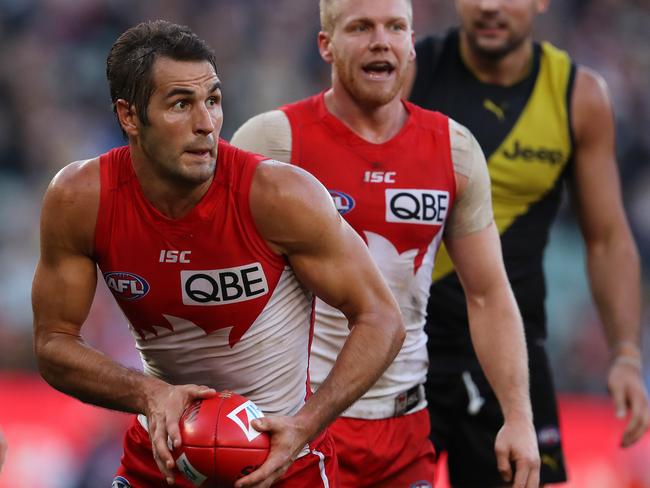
x=219 y=444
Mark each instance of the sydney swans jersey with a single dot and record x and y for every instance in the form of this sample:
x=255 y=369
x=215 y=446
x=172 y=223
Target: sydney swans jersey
x=397 y=196
x=207 y=300
x=525 y=132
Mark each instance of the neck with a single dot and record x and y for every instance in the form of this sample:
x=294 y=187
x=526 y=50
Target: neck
x=373 y=124
x=171 y=196
x=503 y=71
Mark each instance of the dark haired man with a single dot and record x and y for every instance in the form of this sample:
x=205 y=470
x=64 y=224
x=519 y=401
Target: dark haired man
x=211 y=252
x=540 y=121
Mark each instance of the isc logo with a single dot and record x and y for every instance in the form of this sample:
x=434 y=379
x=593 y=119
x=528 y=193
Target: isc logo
x=223 y=286
x=127 y=286
x=426 y=207
x=175 y=256
x=379 y=176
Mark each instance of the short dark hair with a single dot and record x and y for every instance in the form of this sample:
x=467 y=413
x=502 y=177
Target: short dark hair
x=131 y=58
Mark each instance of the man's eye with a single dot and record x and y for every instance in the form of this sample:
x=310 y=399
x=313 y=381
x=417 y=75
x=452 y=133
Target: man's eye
x=181 y=104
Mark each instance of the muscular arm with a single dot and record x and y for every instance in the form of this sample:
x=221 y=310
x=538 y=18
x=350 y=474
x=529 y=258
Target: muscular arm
x=612 y=257
x=63 y=290
x=495 y=324
x=62 y=293
x=296 y=215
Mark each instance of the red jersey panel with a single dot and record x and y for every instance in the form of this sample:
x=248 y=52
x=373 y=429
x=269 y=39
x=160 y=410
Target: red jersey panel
x=207 y=299
x=397 y=196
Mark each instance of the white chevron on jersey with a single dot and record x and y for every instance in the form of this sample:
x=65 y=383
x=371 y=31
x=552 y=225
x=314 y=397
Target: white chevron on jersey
x=268 y=365
x=411 y=290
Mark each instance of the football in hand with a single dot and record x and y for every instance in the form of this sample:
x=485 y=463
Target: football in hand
x=219 y=444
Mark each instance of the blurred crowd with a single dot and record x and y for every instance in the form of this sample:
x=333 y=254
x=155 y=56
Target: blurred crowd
x=55 y=108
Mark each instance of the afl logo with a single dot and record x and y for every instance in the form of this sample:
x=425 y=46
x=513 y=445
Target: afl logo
x=126 y=286
x=344 y=202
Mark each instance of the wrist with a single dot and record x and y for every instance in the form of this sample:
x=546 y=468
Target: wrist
x=149 y=390
x=520 y=414
x=626 y=348
x=628 y=353
x=634 y=362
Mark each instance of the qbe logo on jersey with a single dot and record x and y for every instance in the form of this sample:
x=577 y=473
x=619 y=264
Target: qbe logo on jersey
x=223 y=286
x=425 y=207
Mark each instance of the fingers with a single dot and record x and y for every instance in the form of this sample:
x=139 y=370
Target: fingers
x=526 y=473
x=639 y=419
x=3 y=450
x=503 y=463
x=161 y=454
x=617 y=392
x=534 y=475
x=199 y=392
x=272 y=469
x=263 y=424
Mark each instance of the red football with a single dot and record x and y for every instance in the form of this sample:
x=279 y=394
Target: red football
x=219 y=443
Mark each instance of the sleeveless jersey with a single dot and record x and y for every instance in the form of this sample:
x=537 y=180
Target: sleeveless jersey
x=525 y=133
x=396 y=195
x=207 y=300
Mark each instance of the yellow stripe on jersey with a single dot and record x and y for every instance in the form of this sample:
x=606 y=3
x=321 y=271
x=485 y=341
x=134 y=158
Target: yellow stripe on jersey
x=531 y=159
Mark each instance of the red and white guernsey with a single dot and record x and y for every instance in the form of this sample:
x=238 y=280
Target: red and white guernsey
x=397 y=196
x=207 y=300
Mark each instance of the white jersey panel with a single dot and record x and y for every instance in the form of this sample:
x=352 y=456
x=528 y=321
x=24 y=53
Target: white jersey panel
x=268 y=365
x=409 y=369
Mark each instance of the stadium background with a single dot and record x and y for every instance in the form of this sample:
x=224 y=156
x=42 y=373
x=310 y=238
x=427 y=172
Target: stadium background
x=54 y=108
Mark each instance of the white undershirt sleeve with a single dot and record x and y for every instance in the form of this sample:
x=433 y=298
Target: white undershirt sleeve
x=268 y=134
x=472 y=210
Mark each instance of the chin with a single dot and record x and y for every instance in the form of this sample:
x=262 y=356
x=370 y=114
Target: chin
x=372 y=97
x=197 y=175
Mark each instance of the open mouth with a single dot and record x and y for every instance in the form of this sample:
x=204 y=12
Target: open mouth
x=379 y=69
x=202 y=153
x=490 y=27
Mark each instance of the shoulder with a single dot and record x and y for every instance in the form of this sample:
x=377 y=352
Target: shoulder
x=78 y=182
x=590 y=102
x=279 y=184
x=466 y=153
x=70 y=206
x=268 y=133
x=288 y=204
x=590 y=87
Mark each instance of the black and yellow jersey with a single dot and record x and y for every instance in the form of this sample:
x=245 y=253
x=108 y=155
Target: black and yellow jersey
x=524 y=131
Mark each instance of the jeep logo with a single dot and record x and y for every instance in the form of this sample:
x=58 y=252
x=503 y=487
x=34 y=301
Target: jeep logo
x=530 y=154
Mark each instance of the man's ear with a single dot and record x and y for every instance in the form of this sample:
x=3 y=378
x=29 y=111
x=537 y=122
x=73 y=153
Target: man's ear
x=325 y=46
x=127 y=117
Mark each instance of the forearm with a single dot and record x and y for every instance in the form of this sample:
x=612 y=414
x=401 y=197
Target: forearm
x=356 y=369
x=498 y=338
x=613 y=267
x=71 y=366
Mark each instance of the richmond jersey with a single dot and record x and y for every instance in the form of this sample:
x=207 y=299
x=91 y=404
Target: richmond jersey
x=399 y=196
x=525 y=132
x=207 y=300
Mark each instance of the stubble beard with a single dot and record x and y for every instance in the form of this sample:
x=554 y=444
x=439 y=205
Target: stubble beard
x=494 y=53
x=169 y=167
x=367 y=96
